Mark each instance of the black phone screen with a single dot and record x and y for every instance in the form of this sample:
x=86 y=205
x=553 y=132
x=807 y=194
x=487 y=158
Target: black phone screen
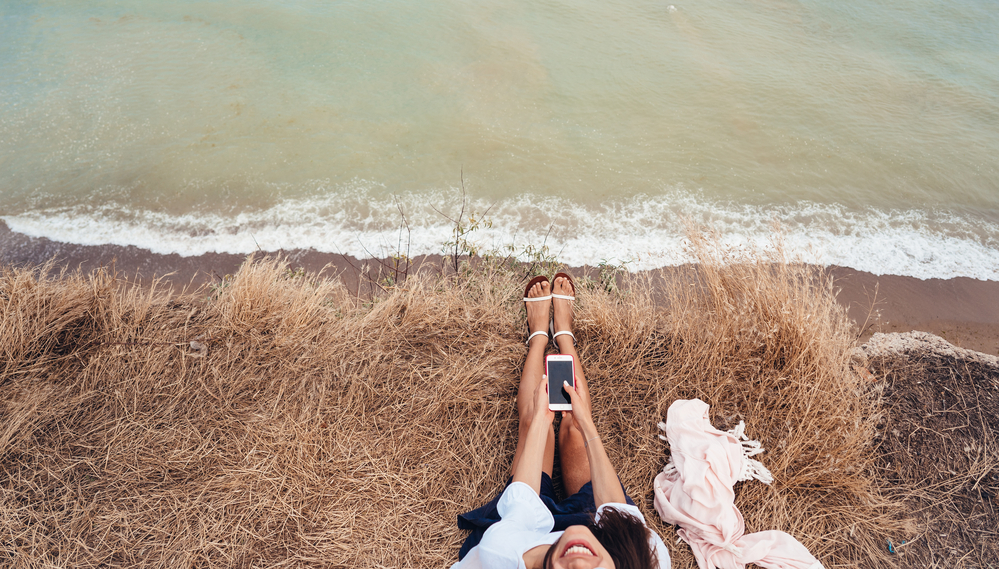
x=557 y=373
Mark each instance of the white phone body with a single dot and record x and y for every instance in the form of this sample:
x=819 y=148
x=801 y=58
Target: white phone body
x=559 y=368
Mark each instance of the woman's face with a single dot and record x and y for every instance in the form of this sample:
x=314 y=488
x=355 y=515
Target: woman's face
x=579 y=549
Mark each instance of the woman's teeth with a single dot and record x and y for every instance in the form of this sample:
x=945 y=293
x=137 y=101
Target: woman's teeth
x=577 y=549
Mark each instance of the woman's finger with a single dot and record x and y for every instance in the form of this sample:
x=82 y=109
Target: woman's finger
x=570 y=389
x=574 y=398
x=579 y=408
x=542 y=394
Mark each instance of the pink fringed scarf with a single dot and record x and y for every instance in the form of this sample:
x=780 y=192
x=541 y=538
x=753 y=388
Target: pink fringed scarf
x=694 y=491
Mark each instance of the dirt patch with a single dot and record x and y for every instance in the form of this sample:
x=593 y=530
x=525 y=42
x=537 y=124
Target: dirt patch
x=938 y=445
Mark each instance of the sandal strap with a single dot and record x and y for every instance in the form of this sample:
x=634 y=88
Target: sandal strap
x=533 y=334
x=538 y=298
x=564 y=296
x=562 y=333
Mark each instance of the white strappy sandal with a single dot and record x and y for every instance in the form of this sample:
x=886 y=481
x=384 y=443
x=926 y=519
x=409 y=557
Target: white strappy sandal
x=534 y=281
x=551 y=324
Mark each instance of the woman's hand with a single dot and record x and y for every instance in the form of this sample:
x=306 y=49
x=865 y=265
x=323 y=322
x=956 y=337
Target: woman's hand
x=581 y=412
x=542 y=414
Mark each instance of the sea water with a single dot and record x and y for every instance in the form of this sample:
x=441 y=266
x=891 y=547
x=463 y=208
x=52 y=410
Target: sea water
x=866 y=131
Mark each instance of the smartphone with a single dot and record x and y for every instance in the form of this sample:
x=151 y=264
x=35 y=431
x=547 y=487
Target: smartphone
x=559 y=368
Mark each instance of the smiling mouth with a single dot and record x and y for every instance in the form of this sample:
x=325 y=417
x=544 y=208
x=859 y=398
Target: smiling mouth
x=578 y=548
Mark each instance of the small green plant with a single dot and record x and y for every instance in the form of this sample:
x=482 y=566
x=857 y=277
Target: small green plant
x=464 y=225
x=608 y=273
x=503 y=260
x=399 y=265
x=460 y=243
x=399 y=261
x=218 y=286
x=396 y=267
x=290 y=274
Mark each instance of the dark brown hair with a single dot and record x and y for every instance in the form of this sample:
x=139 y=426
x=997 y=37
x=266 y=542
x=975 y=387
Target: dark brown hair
x=624 y=537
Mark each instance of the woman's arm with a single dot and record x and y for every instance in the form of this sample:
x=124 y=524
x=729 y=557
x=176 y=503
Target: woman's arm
x=606 y=486
x=528 y=469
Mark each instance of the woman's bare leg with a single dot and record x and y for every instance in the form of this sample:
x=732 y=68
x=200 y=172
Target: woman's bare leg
x=534 y=367
x=572 y=453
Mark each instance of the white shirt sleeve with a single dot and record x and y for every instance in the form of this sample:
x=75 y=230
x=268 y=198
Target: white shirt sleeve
x=521 y=507
x=655 y=541
x=524 y=523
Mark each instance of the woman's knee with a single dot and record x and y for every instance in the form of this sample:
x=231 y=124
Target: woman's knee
x=570 y=427
x=525 y=412
x=526 y=417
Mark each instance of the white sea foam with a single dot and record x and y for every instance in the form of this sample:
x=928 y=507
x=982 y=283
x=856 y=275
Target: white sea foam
x=643 y=232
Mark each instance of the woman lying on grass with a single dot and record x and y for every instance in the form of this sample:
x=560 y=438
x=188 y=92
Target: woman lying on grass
x=526 y=527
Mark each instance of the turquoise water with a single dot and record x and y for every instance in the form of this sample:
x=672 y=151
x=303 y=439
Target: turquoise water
x=869 y=131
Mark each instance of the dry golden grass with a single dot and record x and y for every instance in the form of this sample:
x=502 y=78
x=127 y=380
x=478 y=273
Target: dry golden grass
x=280 y=421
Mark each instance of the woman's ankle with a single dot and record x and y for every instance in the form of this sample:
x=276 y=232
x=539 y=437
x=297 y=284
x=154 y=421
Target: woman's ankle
x=538 y=342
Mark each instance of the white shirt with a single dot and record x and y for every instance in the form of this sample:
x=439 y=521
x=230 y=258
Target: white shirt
x=526 y=523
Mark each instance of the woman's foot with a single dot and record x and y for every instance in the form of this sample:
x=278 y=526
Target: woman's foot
x=538 y=311
x=562 y=308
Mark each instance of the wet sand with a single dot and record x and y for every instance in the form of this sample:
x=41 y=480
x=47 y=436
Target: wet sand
x=963 y=311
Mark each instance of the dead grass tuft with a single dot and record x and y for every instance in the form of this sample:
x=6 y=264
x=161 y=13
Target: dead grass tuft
x=276 y=419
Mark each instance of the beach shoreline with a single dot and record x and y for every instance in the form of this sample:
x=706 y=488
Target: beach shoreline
x=962 y=310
